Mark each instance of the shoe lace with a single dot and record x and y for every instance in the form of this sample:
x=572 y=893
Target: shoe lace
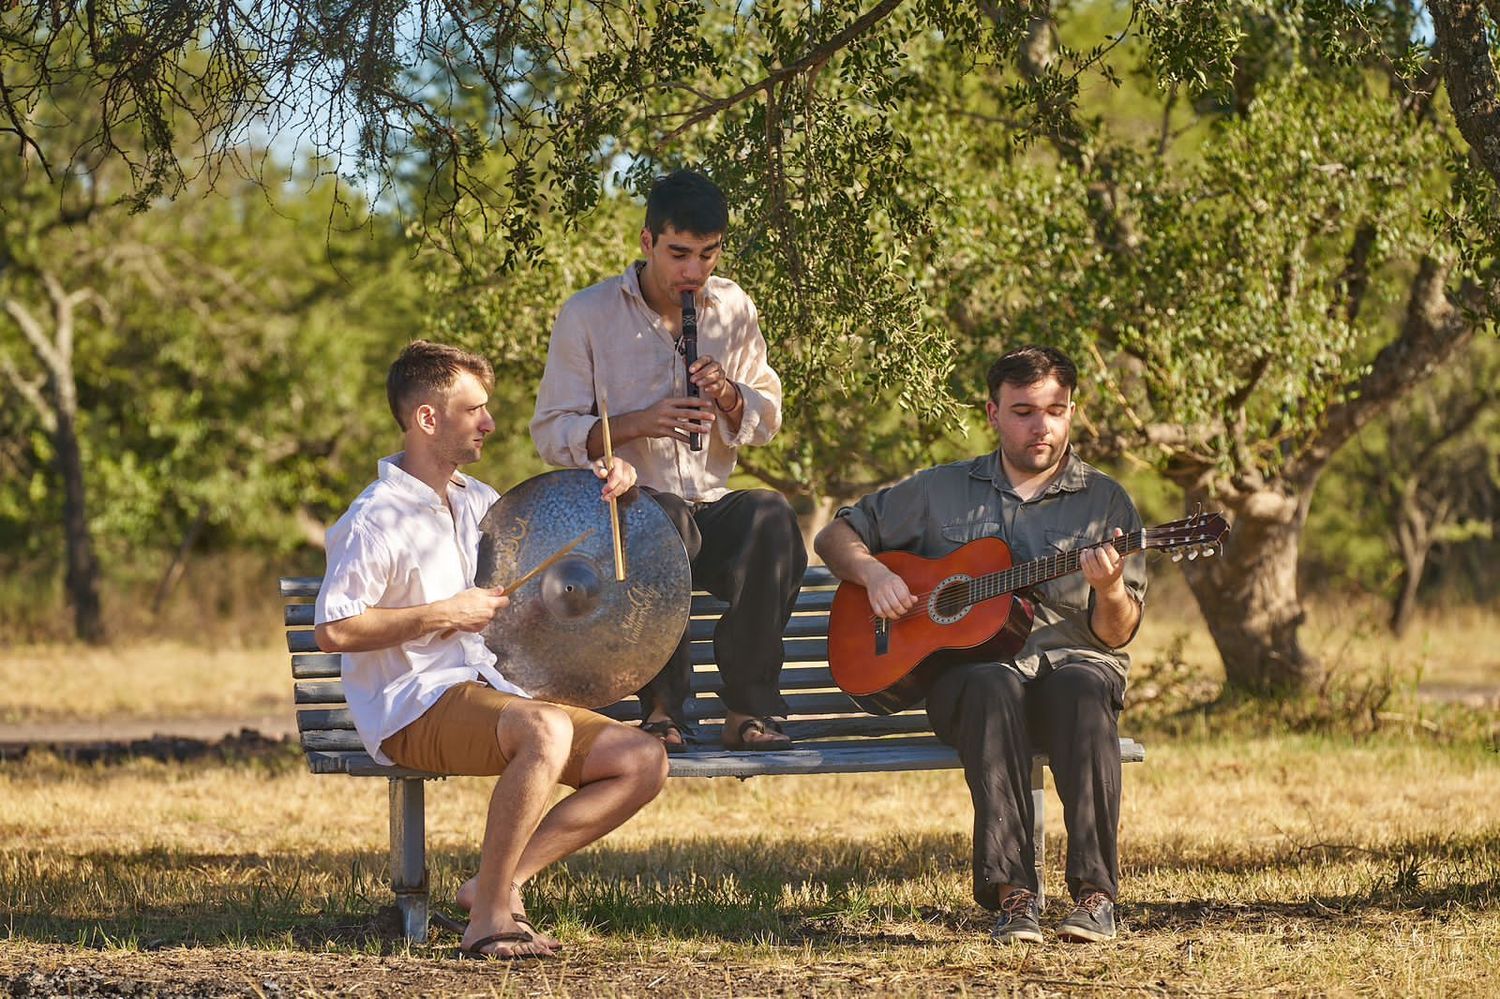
x=1094 y=902
x=1018 y=902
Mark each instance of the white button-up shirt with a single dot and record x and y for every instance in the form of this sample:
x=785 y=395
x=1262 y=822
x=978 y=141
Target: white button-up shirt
x=399 y=546
x=607 y=342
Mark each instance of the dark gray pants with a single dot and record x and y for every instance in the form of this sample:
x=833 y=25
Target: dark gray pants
x=746 y=549
x=994 y=717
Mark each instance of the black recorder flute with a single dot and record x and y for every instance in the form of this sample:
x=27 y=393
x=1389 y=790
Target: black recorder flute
x=690 y=354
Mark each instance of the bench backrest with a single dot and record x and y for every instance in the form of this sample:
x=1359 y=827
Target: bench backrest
x=819 y=710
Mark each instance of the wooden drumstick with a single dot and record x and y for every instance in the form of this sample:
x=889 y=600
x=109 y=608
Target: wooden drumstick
x=541 y=566
x=614 y=508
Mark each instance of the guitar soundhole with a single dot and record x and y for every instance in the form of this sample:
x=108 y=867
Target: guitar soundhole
x=951 y=600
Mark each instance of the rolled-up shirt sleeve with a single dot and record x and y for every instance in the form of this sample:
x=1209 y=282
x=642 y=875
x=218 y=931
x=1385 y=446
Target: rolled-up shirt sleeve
x=893 y=519
x=565 y=401
x=759 y=385
x=359 y=568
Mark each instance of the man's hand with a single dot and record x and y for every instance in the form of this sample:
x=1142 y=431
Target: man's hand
x=674 y=416
x=889 y=595
x=472 y=609
x=1102 y=566
x=713 y=383
x=618 y=478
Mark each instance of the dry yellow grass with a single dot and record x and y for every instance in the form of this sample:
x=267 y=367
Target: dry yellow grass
x=163 y=680
x=158 y=680
x=1277 y=865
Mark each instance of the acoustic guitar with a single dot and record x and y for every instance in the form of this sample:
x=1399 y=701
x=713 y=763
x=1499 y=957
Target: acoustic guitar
x=970 y=608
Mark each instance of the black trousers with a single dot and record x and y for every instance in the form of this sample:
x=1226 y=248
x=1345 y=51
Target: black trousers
x=746 y=549
x=994 y=717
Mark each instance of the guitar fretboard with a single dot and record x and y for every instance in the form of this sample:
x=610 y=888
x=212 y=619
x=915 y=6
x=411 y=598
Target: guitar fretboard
x=957 y=596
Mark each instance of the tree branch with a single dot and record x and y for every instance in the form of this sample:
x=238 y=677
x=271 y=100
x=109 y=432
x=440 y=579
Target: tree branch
x=31 y=391
x=809 y=61
x=1431 y=333
x=1469 y=72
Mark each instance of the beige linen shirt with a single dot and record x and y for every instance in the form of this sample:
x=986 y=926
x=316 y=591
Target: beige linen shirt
x=608 y=343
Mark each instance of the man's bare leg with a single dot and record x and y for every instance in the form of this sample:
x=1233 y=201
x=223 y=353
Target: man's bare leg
x=625 y=769
x=535 y=739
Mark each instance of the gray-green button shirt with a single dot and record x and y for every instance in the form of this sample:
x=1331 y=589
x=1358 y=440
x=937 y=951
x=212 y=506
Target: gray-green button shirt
x=939 y=509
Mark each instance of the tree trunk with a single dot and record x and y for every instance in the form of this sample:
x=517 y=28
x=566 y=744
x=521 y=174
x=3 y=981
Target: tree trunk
x=818 y=517
x=1249 y=596
x=1414 y=541
x=82 y=578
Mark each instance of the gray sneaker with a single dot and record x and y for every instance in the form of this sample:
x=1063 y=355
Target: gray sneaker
x=1018 y=919
x=1092 y=920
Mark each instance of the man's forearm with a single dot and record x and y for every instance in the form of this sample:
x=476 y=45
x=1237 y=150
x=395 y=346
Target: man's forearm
x=379 y=628
x=622 y=428
x=845 y=555
x=1116 y=616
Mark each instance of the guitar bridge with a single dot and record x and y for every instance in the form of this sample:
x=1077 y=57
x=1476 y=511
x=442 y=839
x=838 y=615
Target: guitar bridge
x=882 y=636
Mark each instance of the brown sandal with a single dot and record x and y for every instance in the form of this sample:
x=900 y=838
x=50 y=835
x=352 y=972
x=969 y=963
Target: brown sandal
x=664 y=727
x=766 y=725
x=476 y=950
x=521 y=918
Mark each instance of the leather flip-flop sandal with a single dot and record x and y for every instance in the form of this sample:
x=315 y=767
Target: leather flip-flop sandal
x=476 y=950
x=521 y=918
x=766 y=725
x=664 y=727
x=443 y=921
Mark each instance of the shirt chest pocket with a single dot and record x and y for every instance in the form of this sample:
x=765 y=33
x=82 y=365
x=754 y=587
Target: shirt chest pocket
x=961 y=532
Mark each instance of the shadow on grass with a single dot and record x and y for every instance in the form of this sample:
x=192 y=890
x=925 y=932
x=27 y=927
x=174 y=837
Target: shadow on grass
x=897 y=891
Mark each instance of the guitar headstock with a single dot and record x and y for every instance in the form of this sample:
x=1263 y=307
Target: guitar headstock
x=1200 y=534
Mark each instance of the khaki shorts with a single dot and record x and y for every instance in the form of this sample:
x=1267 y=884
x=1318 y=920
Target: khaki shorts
x=457 y=735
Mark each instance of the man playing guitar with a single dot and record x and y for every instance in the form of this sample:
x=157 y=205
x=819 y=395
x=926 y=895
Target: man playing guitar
x=1063 y=691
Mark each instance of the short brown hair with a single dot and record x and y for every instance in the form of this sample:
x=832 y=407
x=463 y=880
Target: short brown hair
x=1029 y=365
x=427 y=370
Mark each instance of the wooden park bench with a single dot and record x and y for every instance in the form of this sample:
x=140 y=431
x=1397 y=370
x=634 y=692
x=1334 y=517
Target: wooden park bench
x=832 y=735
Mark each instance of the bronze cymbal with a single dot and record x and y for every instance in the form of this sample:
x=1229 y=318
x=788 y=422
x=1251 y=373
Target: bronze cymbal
x=573 y=634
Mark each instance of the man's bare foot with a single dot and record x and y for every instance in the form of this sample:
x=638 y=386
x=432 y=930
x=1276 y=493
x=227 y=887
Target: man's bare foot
x=751 y=732
x=502 y=938
x=464 y=899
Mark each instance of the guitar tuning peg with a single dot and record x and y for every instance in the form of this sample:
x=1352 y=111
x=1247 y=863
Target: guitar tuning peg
x=1209 y=551
x=1177 y=556
x=1192 y=554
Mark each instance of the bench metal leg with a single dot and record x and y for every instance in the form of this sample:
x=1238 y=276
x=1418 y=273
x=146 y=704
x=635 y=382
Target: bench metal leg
x=1038 y=829
x=409 y=856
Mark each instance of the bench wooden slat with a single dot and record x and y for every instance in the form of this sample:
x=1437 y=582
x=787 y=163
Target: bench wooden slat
x=712 y=758
x=793 y=650
x=321 y=719
x=872 y=757
x=796 y=650
x=306 y=587
x=807 y=601
x=796 y=676
x=833 y=702
x=800 y=626
x=316 y=666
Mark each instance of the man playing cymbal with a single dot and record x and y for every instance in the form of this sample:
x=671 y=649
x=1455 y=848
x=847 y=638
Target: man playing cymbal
x=399 y=601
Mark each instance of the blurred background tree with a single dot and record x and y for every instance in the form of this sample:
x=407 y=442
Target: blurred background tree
x=1260 y=225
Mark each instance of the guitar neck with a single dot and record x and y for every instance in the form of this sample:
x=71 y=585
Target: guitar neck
x=1040 y=570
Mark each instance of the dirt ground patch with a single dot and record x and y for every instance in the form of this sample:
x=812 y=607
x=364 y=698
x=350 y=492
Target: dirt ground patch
x=50 y=970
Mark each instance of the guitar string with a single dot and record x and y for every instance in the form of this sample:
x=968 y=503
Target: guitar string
x=947 y=604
